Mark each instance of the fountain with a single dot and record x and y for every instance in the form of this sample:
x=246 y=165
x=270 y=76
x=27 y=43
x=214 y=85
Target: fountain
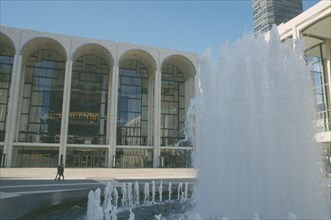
x=173 y=209
x=258 y=158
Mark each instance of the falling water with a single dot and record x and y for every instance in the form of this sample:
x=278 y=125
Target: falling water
x=146 y=193
x=186 y=191
x=136 y=193
x=107 y=204
x=124 y=195
x=160 y=191
x=130 y=194
x=179 y=191
x=115 y=193
x=258 y=153
x=153 y=192
x=94 y=210
x=110 y=210
x=169 y=191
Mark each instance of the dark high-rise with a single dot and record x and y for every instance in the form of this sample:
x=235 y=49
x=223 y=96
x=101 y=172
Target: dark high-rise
x=269 y=12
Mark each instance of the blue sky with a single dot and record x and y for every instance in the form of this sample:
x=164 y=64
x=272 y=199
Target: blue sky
x=183 y=25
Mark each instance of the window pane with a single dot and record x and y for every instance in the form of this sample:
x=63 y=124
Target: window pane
x=38 y=123
x=172 y=104
x=133 y=81
x=89 y=95
x=6 y=65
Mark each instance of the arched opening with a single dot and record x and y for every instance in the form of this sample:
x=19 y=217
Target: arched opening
x=91 y=74
x=41 y=103
x=177 y=89
x=42 y=97
x=134 y=114
x=6 y=66
x=88 y=100
x=132 y=120
x=7 y=53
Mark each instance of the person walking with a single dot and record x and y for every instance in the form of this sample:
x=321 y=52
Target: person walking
x=60 y=171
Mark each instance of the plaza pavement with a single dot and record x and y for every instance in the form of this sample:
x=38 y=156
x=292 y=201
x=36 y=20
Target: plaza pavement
x=33 y=189
x=97 y=173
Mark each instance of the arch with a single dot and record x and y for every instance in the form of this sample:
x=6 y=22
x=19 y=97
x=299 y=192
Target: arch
x=7 y=53
x=91 y=76
x=142 y=57
x=42 y=86
x=43 y=43
x=177 y=87
x=183 y=63
x=94 y=49
x=136 y=70
x=10 y=47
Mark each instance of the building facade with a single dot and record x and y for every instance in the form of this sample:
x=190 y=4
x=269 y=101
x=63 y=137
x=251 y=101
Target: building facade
x=266 y=13
x=313 y=27
x=92 y=103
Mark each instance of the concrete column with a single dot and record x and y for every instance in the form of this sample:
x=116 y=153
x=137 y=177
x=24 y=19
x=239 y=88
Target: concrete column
x=295 y=35
x=328 y=72
x=65 y=112
x=112 y=116
x=109 y=105
x=20 y=86
x=12 y=110
x=157 y=119
x=150 y=114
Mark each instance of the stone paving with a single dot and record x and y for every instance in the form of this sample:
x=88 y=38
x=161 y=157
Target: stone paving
x=98 y=173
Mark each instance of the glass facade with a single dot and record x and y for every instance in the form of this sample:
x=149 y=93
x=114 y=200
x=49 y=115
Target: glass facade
x=65 y=107
x=28 y=156
x=315 y=57
x=176 y=158
x=132 y=110
x=6 y=65
x=85 y=157
x=172 y=105
x=42 y=96
x=133 y=158
x=88 y=101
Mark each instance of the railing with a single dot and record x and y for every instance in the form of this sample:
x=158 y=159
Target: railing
x=322 y=121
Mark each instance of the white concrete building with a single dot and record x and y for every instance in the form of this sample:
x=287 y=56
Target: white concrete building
x=92 y=103
x=313 y=26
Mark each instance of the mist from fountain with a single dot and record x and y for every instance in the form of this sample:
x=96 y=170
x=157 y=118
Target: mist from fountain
x=258 y=153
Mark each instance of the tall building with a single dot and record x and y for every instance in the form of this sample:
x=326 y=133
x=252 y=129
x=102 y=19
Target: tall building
x=269 y=12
